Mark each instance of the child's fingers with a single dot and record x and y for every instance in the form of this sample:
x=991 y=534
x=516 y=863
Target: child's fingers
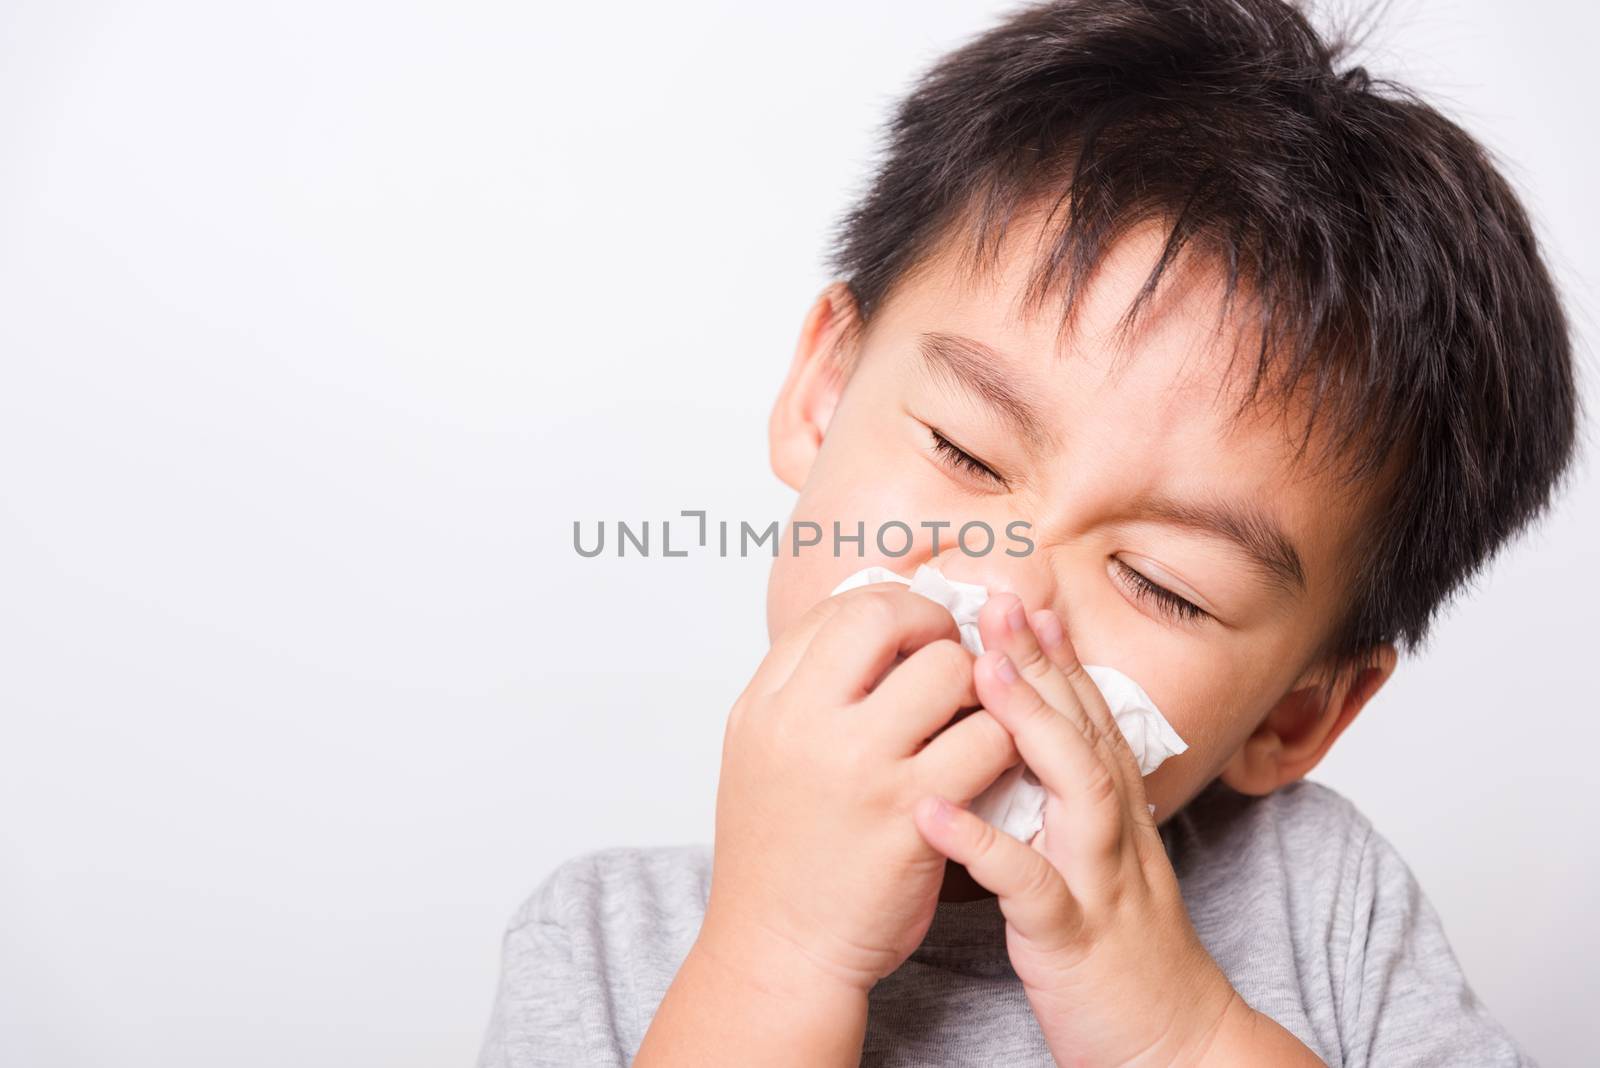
x=1005 y=627
x=1066 y=761
x=965 y=758
x=861 y=640
x=1057 y=647
x=1033 y=896
x=787 y=649
x=920 y=696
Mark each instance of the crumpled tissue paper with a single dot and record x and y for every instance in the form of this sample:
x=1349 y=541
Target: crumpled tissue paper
x=1015 y=801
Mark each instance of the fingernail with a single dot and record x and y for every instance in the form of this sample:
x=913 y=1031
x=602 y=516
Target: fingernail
x=1005 y=669
x=942 y=811
x=1048 y=629
x=1017 y=619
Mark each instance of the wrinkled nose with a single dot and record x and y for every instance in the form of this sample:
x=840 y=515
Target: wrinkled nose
x=1028 y=577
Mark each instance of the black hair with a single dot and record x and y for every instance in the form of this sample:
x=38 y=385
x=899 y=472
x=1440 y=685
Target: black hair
x=1383 y=250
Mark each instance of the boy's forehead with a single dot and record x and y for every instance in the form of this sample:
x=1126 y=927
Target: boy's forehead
x=1182 y=359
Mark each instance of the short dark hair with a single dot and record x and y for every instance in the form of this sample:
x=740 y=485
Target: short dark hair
x=1384 y=250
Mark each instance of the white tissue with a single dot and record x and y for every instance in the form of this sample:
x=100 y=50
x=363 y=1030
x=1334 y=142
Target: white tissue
x=1015 y=801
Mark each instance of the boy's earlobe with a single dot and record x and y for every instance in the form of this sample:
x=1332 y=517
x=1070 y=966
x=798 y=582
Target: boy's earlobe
x=1302 y=727
x=812 y=389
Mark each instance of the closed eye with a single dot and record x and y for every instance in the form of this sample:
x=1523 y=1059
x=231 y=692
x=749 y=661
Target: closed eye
x=1165 y=601
x=953 y=455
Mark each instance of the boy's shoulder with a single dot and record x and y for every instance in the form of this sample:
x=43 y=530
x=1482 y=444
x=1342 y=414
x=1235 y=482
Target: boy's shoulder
x=621 y=888
x=590 y=953
x=1306 y=838
x=1320 y=923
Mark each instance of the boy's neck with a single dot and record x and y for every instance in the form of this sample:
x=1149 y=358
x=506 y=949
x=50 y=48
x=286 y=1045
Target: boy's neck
x=959 y=886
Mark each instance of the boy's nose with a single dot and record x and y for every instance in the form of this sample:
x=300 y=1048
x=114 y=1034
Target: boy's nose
x=1030 y=579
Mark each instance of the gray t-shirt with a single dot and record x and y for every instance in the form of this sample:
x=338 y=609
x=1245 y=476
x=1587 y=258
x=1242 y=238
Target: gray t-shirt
x=1313 y=916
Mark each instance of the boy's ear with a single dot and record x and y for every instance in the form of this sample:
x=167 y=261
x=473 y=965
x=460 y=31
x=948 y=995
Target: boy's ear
x=1302 y=727
x=809 y=394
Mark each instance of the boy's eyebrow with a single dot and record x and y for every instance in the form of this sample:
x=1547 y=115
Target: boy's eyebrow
x=1246 y=525
x=974 y=366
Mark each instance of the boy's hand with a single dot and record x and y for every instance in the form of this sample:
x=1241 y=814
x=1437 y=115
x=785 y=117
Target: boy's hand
x=1095 y=925
x=819 y=877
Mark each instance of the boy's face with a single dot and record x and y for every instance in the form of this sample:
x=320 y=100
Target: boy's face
x=1095 y=460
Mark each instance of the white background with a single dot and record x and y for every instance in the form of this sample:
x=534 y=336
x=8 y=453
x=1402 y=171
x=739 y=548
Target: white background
x=320 y=325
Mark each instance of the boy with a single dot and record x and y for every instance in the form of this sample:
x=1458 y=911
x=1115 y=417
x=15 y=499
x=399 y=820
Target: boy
x=1267 y=364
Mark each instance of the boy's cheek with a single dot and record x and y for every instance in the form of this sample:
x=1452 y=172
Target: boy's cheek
x=1211 y=744
x=791 y=587
x=798 y=580
x=1172 y=786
